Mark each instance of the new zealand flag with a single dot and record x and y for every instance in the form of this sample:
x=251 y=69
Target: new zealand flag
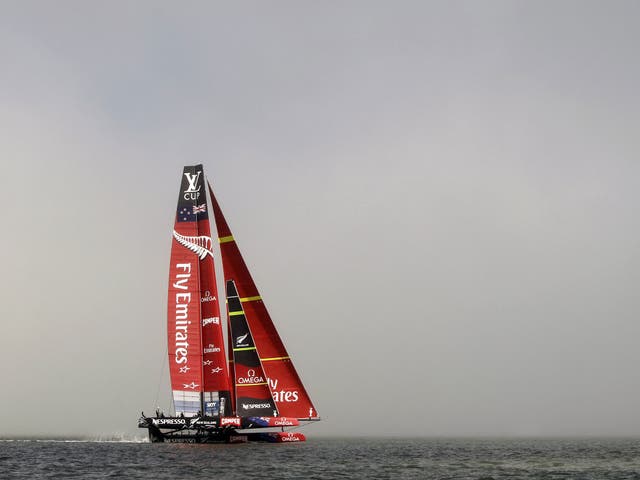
x=192 y=213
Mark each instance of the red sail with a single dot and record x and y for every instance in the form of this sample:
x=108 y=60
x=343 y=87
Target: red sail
x=195 y=342
x=217 y=386
x=287 y=390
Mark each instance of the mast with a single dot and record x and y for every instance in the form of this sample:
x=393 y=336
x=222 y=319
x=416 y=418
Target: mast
x=216 y=381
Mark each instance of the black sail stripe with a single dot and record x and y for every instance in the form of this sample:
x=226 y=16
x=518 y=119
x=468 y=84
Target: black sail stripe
x=246 y=355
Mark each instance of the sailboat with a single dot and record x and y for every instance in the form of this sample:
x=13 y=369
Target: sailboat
x=240 y=388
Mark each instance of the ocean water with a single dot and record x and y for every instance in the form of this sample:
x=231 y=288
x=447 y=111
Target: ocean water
x=325 y=458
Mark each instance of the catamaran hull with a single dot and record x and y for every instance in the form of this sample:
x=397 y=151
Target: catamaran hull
x=172 y=430
x=155 y=437
x=178 y=430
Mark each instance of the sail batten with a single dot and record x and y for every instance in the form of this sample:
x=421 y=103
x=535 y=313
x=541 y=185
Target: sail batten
x=251 y=299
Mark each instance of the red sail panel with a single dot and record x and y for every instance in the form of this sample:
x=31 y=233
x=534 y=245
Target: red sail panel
x=287 y=390
x=217 y=385
x=183 y=310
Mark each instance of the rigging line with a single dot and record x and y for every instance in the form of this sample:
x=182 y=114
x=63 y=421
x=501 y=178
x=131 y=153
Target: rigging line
x=302 y=425
x=164 y=361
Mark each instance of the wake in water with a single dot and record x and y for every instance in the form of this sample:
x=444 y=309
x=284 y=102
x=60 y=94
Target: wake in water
x=106 y=438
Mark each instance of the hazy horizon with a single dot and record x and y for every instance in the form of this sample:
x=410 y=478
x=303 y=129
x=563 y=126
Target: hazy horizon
x=437 y=200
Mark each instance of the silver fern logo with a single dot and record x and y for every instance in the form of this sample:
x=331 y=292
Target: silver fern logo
x=241 y=339
x=201 y=246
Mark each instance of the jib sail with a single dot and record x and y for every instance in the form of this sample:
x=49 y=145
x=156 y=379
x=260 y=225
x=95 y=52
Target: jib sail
x=287 y=391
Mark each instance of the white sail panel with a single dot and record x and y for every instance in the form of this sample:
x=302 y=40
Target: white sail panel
x=186 y=402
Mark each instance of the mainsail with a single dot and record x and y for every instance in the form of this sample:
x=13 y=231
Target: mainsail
x=197 y=361
x=287 y=391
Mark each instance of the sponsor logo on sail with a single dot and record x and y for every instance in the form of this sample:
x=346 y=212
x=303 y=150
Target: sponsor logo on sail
x=207 y=297
x=182 y=322
x=211 y=348
x=192 y=193
x=209 y=321
x=184 y=369
x=191 y=385
x=251 y=406
x=282 y=395
x=251 y=378
x=216 y=370
x=241 y=339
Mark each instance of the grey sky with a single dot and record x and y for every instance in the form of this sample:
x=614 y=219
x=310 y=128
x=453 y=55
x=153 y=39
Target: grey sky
x=438 y=201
